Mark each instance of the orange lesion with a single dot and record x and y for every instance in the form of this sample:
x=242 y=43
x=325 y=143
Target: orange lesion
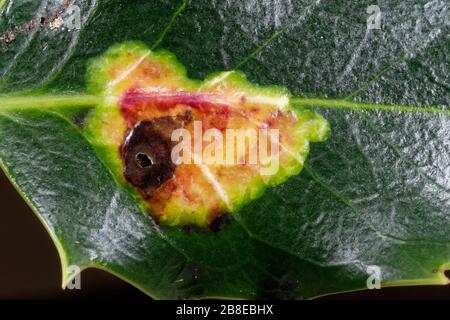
x=139 y=104
x=188 y=186
x=189 y=191
x=145 y=86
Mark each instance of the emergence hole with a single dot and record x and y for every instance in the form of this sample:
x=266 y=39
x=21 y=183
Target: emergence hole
x=143 y=160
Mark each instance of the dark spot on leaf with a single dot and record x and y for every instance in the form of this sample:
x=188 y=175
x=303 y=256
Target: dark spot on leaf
x=447 y=274
x=147 y=153
x=79 y=117
x=219 y=222
x=216 y=225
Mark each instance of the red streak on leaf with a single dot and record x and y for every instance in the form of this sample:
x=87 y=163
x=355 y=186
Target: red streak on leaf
x=135 y=103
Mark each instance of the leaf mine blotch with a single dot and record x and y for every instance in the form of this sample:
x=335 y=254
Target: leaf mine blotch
x=148 y=95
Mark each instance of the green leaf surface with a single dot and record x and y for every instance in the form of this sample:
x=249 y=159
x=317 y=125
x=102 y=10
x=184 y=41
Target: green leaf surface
x=376 y=193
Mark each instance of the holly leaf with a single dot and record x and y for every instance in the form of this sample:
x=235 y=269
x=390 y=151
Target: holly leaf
x=371 y=202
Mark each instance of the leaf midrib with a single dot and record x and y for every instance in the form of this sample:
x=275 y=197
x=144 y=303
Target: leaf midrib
x=79 y=100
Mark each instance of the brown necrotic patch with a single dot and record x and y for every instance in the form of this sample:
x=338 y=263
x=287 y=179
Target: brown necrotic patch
x=147 y=152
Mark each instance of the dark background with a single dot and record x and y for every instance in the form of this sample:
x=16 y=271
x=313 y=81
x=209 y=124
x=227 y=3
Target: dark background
x=30 y=267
